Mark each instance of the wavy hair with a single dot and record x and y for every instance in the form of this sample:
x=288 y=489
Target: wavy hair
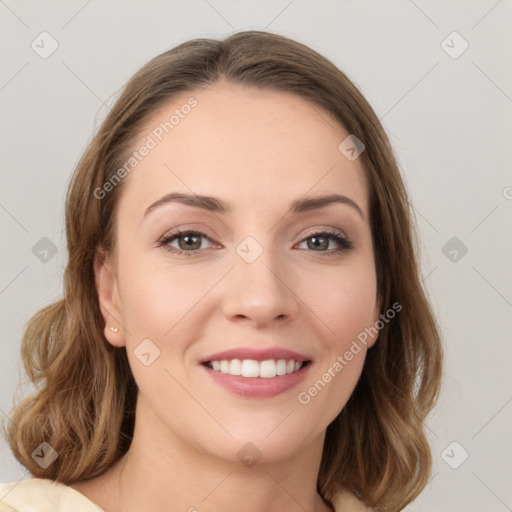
x=85 y=394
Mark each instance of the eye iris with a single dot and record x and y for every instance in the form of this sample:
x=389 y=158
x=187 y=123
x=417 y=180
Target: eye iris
x=325 y=245
x=188 y=238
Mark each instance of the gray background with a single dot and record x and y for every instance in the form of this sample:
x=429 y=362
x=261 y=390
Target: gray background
x=449 y=121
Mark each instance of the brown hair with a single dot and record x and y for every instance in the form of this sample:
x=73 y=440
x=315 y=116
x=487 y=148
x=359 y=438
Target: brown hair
x=85 y=394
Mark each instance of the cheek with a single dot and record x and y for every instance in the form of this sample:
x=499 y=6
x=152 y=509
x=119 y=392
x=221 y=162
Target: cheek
x=158 y=305
x=156 y=298
x=347 y=307
x=345 y=302
x=354 y=315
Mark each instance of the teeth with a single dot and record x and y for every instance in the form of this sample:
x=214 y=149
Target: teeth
x=281 y=367
x=252 y=368
x=268 y=369
x=235 y=367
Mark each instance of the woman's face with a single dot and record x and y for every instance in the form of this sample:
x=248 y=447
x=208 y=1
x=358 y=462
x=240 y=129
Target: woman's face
x=258 y=279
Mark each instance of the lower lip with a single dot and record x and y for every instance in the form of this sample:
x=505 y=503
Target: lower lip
x=257 y=387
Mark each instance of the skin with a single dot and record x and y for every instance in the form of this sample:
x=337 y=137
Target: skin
x=258 y=150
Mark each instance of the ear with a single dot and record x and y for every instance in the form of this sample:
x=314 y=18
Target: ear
x=108 y=297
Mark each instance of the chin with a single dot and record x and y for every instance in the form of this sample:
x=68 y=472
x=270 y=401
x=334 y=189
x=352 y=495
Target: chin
x=261 y=444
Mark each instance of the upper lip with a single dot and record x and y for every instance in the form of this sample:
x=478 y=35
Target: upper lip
x=258 y=354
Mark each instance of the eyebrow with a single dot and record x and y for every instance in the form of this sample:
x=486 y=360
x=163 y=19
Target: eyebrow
x=216 y=205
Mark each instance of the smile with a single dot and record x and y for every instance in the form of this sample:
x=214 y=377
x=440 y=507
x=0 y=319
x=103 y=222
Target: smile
x=268 y=369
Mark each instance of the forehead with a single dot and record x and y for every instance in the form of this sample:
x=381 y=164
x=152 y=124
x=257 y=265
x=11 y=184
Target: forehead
x=248 y=145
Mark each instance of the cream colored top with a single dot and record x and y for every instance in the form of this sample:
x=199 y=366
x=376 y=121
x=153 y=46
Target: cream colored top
x=42 y=495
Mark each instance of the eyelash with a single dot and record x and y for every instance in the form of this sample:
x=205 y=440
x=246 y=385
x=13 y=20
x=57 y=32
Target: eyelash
x=344 y=243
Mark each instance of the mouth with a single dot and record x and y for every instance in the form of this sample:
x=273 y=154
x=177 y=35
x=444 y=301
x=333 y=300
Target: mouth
x=257 y=373
x=262 y=372
x=252 y=368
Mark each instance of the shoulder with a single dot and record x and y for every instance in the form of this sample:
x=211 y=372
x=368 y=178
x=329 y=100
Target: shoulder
x=345 y=501
x=42 y=495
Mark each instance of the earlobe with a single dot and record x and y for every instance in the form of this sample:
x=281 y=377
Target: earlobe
x=106 y=286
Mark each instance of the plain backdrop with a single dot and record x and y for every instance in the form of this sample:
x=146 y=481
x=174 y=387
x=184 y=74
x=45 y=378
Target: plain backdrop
x=437 y=73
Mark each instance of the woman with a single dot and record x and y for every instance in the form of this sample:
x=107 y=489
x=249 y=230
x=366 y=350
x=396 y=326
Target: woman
x=244 y=323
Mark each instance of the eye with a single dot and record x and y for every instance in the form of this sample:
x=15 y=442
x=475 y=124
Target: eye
x=189 y=242
x=321 y=239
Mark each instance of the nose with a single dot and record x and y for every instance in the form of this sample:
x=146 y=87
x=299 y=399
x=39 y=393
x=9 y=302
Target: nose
x=261 y=292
